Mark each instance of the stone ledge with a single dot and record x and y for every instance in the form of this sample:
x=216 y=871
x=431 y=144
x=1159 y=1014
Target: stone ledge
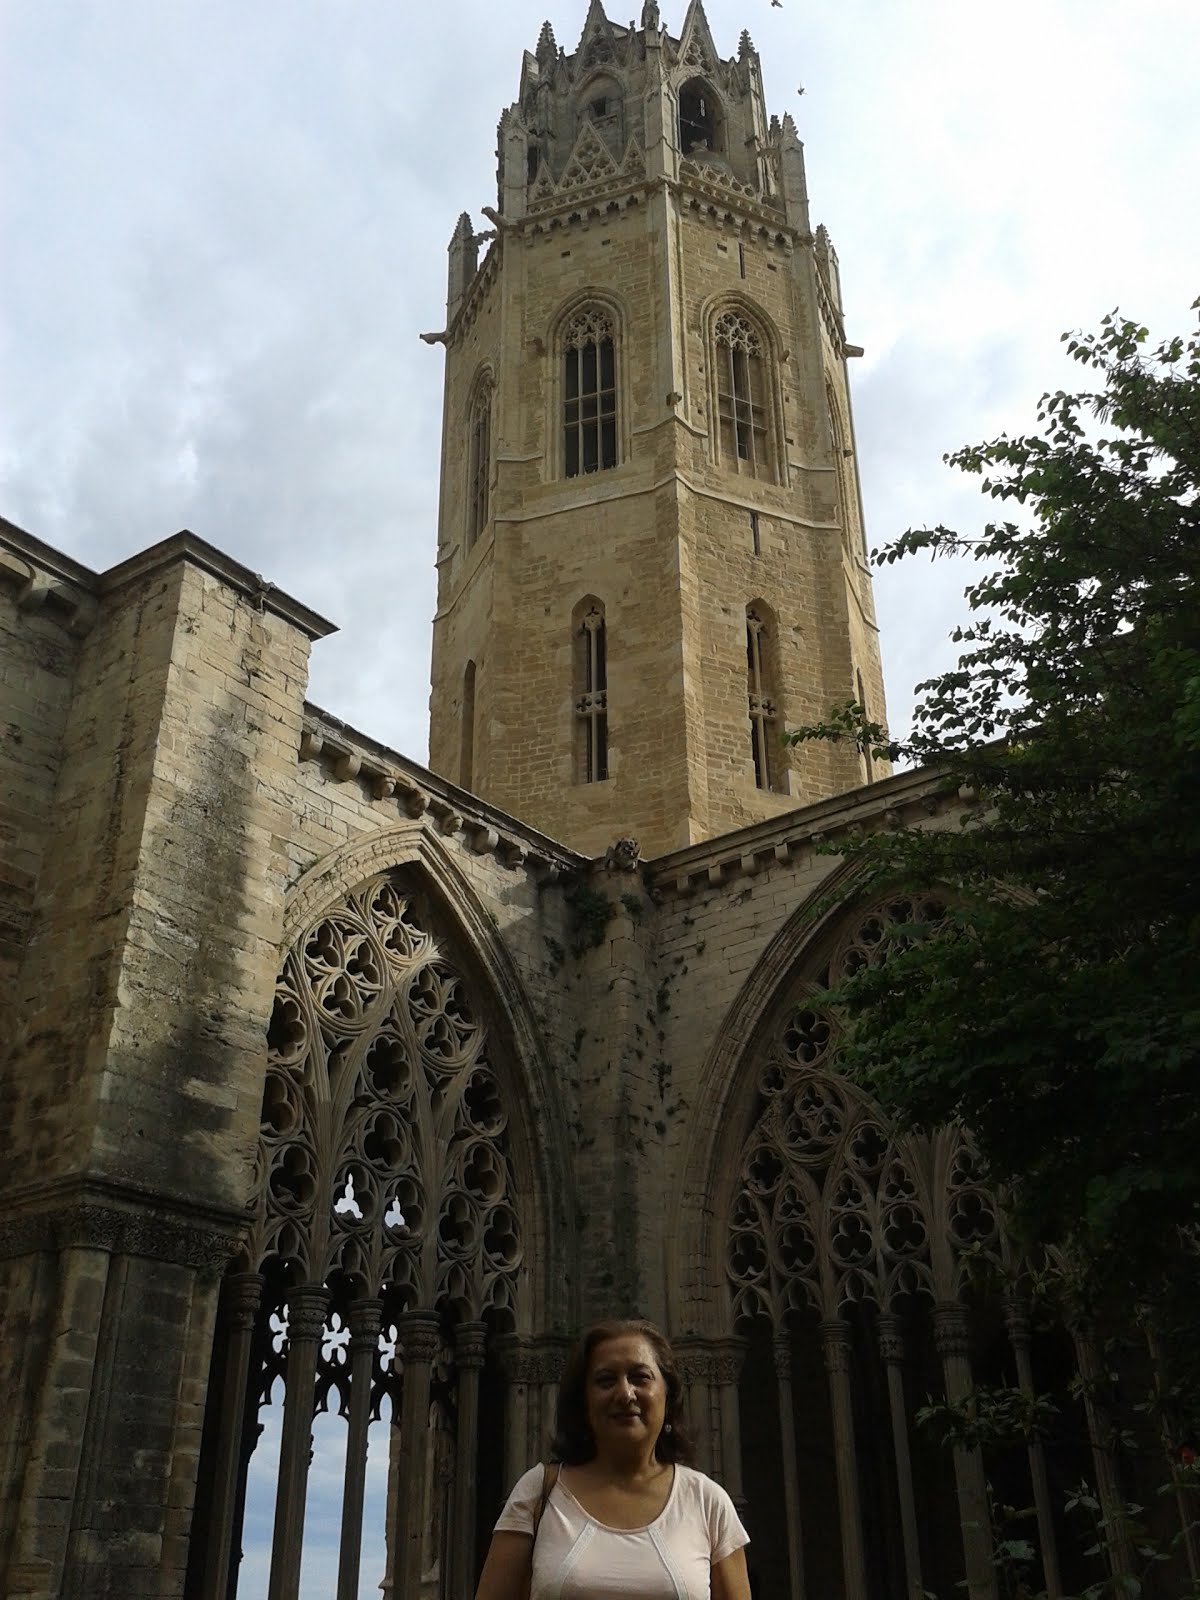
x=748 y=851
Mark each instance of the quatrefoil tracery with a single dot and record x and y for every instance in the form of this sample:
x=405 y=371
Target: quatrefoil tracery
x=383 y=1151
x=833 y=1207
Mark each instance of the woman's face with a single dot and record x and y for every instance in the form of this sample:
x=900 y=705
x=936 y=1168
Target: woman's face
x=626 y=1393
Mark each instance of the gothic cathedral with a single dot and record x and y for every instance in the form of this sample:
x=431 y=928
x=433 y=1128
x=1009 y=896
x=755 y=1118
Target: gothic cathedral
x=339 y=1091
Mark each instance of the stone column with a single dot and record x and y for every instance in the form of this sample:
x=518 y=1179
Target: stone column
x=520 y=1373
x=1016 y=1320
x=891 y=1348
x=307 y=1307
x=952 y=1336
x=243 y=1295
x=782 y=1351
x=728 y=1356
x=835 y=1343
x=419 y=1342
x=1117 y=1544
x=365 y=1319
x=470 y=1343
x=693 y=1362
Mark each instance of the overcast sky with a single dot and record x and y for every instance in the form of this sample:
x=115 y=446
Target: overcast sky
x=225 y=225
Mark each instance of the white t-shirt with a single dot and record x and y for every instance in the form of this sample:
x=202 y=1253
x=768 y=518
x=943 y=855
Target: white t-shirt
x=577 y=1558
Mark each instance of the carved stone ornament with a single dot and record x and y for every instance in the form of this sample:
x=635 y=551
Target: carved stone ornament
x=833 y=1206
x=383 y=1152
x=952 y=1331
x=159 y=1234
x=835 y=1344
x=420 y=1338
x=307 y=1309
x=890 y=1332
x=470 y=1344
x=623 y=855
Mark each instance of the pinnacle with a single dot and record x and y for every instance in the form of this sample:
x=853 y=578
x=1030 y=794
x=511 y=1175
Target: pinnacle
x=547 y=48
x=745 y=43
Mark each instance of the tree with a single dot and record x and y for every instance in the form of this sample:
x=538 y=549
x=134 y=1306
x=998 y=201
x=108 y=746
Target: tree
x=1056 y=1008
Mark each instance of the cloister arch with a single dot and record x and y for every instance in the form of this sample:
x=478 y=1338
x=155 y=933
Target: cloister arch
x=405 y=1226
x=829 y=1290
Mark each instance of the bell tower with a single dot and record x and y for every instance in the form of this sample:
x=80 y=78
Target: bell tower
x=650 y=550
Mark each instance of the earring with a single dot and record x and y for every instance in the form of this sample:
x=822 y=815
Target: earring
x=666 y=1427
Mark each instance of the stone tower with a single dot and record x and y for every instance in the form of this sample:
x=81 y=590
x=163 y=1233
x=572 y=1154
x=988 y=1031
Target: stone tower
x=651 y=555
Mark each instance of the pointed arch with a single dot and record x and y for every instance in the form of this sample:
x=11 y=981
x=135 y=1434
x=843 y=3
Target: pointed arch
x=587 y=385
x=479 y=428
x=403 y=1190
x=743 y=355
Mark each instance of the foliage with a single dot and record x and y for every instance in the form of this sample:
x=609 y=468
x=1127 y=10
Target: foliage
x=591 y=914
x=1056 y=1010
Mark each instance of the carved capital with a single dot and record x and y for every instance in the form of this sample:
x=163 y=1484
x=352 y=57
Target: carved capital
x=244 y=1292
x=781 y=1350
x=951 y=1330
x=470 y=1344
x=365 y=1318
x=835 y=1344
x=419 y=1338
x=1016 y=1320
x=891 y=1340
x=728 y=1358
x=307 y=1307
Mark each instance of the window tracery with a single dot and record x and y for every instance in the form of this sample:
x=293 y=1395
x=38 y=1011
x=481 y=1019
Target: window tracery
x=742 y=409
x=591 y=692
x=589 y=391
x=834 y=1208
x=383 y=1155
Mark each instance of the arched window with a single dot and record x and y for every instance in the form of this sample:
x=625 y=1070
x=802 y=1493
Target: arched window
x=589 y=392
x=466 y=762
x=479 y=461
x=591 y=692
x=743 y=411
x=699 y=122
x=759 y=698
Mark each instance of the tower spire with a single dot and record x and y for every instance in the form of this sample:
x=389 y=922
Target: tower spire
x=547 y=47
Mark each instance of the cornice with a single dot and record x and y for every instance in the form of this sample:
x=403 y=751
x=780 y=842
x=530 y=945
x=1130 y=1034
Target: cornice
x=748 y=851
x=393 y=781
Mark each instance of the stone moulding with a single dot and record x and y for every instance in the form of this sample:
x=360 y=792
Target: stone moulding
x=97 y=1216
x=486 y=832
x=765 y=844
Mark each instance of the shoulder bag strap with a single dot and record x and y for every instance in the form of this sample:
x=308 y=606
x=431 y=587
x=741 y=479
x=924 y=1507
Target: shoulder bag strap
x=549 y=1479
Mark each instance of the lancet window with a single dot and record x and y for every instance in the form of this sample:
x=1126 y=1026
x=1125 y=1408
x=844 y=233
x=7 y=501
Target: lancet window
x=479 y=462
x=466 y=763
x=743 y=402
x=699 y=122
x=384 y=1255
x=589 y=376
x=591 y=692
x=760 y=701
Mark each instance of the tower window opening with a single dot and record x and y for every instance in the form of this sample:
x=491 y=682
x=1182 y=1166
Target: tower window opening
x=589 y=394
x=480 y=462
x=762 y=708
x=466 y=762
x=741 y=395
x=533 y=161
x=756 y=541
x=698 y=126
x=599 y=106
x=591 y=705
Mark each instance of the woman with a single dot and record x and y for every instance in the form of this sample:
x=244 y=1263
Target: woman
x=624 y=1515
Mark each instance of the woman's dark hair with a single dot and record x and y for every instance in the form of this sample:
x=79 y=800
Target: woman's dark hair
x=573 y=1442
